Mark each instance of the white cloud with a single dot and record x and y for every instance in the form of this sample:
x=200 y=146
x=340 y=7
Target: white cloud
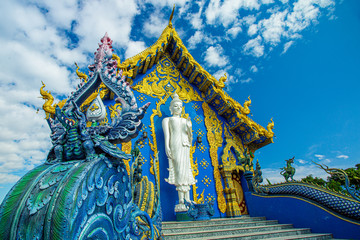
x=60 y=13
x=239 y=72
x=195 y=39
x=234 y=31
x=273 y=175
x=285 y=24
x=214 y=57
x=226 y=12
x=155 y=25
x=196 y=21
x=248 y=80
x=35 y=67
x=306 y=12
x=195 y=18
x=287 y=46
x=342 y=156
x=134 y=47
x=301 y=161
x=25 y=137
x=200 y=37
x=248 y=20
x=31 y=33
x=8 y=178
x=97 y=17
x=320 y=156
x=253 y=29
x=35 y=49
x=323 y=159
x=267 y=1
x=303 y=14
x=16 y=27
x=326 y=160
x=169 y=3
x=273 y=27
x=305 y=170
x=254 y=69
x=219 y=74
x=254 y=47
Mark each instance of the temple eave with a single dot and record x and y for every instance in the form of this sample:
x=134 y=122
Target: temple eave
x=236 y=116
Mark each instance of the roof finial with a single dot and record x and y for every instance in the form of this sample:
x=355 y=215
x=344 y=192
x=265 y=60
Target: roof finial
x=171 y=16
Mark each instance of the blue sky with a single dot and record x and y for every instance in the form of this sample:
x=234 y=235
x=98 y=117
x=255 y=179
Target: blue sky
x=297 y=60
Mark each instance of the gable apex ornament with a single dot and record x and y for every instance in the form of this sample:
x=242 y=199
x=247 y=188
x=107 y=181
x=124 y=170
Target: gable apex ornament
x=171 y=17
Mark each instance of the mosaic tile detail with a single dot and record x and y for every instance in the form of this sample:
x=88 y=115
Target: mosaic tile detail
x=195 y=106
x=199 y=133
x=202 y=148
x=204 y=164
x=198 y=119
x=142 y=98
x=209 y=198
x=206 y=181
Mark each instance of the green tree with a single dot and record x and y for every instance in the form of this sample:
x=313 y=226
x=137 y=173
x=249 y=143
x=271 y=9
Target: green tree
x=354 y=176
x=316 y=180
x=334 y=185
x=334 y=182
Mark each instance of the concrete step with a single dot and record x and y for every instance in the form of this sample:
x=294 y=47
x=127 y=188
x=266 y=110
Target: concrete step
x=310 y=236
x=283 y=234
x=214 y=221
x=275 y=230
x=204 y=226
x=244 y=227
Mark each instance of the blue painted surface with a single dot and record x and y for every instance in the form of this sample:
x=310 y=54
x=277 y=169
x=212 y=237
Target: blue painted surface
x=301 y=214
x=169 y=195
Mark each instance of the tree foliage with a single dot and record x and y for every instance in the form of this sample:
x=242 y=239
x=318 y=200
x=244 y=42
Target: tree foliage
x=334 y=182
x=314 y=180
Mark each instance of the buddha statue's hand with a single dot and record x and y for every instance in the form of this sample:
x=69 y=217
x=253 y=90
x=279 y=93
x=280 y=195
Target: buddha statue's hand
x=168 y=152
x=188 y=122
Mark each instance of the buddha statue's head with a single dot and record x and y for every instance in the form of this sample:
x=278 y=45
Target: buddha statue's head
x=176 y=105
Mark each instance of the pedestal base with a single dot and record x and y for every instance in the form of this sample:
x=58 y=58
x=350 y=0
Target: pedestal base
x=183 y=216
x=181 y=207
x=195 y=212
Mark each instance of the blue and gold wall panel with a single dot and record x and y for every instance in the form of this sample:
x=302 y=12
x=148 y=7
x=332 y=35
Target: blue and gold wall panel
x=184 y=65
x=229 y=112
x=217 y=102
x=210 y=132
x=157 y=86
x=198 y=80
x=234 y=120
x=193 y=75
x=209 y=94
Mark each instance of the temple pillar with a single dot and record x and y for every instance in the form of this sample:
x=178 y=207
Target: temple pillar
x=232 y=206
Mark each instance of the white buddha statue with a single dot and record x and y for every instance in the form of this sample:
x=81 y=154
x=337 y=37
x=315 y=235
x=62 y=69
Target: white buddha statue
x=178 y=138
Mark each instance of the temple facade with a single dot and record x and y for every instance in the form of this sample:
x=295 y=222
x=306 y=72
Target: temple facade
x=221 y=126
x=107 y=173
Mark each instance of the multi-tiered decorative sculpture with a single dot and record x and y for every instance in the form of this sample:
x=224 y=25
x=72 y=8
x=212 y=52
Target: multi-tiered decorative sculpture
x=83 y=190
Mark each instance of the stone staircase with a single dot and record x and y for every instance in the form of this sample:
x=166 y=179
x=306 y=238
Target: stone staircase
x=244 y=227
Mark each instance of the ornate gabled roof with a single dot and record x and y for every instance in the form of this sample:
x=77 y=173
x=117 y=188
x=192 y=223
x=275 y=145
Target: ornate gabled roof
x=236 y=115
x=251 y=133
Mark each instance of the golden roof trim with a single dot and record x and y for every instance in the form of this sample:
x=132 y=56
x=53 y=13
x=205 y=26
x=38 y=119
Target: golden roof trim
x=160 y=46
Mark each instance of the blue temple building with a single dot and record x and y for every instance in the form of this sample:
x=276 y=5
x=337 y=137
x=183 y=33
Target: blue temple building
x=220 y=125
x=104 y=176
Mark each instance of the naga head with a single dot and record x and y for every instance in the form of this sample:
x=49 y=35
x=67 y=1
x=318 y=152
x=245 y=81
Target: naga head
x=68 y=119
